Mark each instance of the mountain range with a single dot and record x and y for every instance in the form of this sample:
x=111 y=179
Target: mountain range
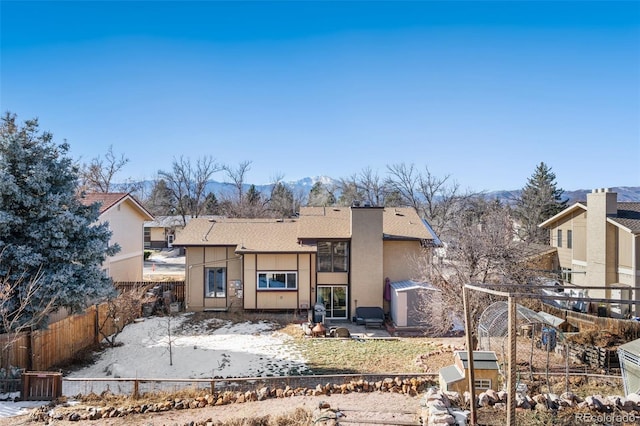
x=302 y=187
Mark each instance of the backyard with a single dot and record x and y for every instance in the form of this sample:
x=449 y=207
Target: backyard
x=223 y=345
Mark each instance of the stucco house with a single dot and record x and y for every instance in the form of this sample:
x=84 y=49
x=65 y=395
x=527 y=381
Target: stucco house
x=339 y=256
x=126 y=217
x=598 y=244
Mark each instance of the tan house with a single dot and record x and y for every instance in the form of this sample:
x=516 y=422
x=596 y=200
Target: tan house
x=486 y=372
x=163 y=230
x=126 y=217
x=338 y=256
x=598 y=244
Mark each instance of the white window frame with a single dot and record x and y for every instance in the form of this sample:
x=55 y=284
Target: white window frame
x=269 y=277
x=215 y=294
x=559 y=238
x=482 y=383
x=569 y=238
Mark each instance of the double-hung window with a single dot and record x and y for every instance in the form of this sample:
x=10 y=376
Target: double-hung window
x=569 y=239
x=277 y=280
x=559 y=237
x=333 y=256
x=215 y=282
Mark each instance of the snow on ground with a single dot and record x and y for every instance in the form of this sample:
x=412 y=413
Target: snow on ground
x=229 y=350
x=211 y=348
x=10 y=408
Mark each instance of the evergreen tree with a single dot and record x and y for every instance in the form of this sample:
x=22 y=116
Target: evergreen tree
x=320 y=195
x=211 y=205
x=46 y=233
x=161 y=201
x=281 y=202
x=539 y=200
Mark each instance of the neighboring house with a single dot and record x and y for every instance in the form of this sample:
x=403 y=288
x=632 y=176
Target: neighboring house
x=162 y=231
x=126 y=217
x=598 y=244
x=339 y=256
x=486 y=372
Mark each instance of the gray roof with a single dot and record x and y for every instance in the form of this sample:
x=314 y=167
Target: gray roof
x=551 y=319
x=450 y=374
x=482 y=360
x=410 y=285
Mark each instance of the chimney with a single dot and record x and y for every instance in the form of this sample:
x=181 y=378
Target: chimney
x=601 y=203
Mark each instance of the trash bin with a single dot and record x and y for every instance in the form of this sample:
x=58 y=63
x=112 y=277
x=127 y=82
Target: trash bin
x=549 y=338
x=319 y=312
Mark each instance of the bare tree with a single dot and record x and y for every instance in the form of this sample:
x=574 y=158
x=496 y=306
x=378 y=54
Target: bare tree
x=404 y=179
x=164 y=334
x=237 y=204
x=481 y=250
x=238 y=176
x=16 y=313
x=121 y=311
x=99 y=173
x=187 y=183
x=438 y=199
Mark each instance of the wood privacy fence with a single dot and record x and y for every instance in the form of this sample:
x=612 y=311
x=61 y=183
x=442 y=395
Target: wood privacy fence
x=59 y=343
x=177 y=288
x=63 y=340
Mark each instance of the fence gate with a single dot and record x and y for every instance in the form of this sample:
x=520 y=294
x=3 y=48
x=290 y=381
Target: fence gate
x=41 y=386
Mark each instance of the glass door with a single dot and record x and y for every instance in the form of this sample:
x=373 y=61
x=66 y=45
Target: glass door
x=334 y=299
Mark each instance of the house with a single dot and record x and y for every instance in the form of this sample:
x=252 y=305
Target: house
x=598 y=244
x=338 y=256
x=126 y=217
x=486 y=372
x=160 y=232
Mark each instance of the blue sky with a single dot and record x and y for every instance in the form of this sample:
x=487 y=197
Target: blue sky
x=481 y=91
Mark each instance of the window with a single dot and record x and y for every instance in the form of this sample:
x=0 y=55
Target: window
x=566 y=275
x=277 y=280
x=559 y=237
x=569 y=239
x=147 y=237
x=482 y=383
x=215 y=282
x=333 y=256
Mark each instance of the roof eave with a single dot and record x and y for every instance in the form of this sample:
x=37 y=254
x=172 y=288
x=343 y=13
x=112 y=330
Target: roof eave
x=564 y=212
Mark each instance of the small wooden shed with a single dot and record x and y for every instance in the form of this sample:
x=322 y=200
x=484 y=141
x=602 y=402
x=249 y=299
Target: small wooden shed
x=485 y=367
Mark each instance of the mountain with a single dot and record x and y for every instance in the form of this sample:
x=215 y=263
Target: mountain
x=304 y=185
x=625 y=193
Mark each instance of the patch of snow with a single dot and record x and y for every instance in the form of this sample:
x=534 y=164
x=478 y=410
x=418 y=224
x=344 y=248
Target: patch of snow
x=231 y=350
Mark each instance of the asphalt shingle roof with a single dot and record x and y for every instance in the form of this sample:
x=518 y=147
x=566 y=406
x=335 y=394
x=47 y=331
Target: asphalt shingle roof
x=628 y=216
x=271 y=235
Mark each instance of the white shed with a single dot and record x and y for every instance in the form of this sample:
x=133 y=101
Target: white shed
x=407 y=302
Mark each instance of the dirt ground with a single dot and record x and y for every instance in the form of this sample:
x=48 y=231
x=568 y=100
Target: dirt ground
x=382 y=407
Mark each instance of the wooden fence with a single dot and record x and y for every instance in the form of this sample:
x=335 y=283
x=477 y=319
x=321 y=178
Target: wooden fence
x=59 y=343
x=177 y=288
x=64 y=339
x=629 y=329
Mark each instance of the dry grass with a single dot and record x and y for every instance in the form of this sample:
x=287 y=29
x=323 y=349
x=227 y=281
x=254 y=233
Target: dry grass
x=298 y=417
x=360 y=356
